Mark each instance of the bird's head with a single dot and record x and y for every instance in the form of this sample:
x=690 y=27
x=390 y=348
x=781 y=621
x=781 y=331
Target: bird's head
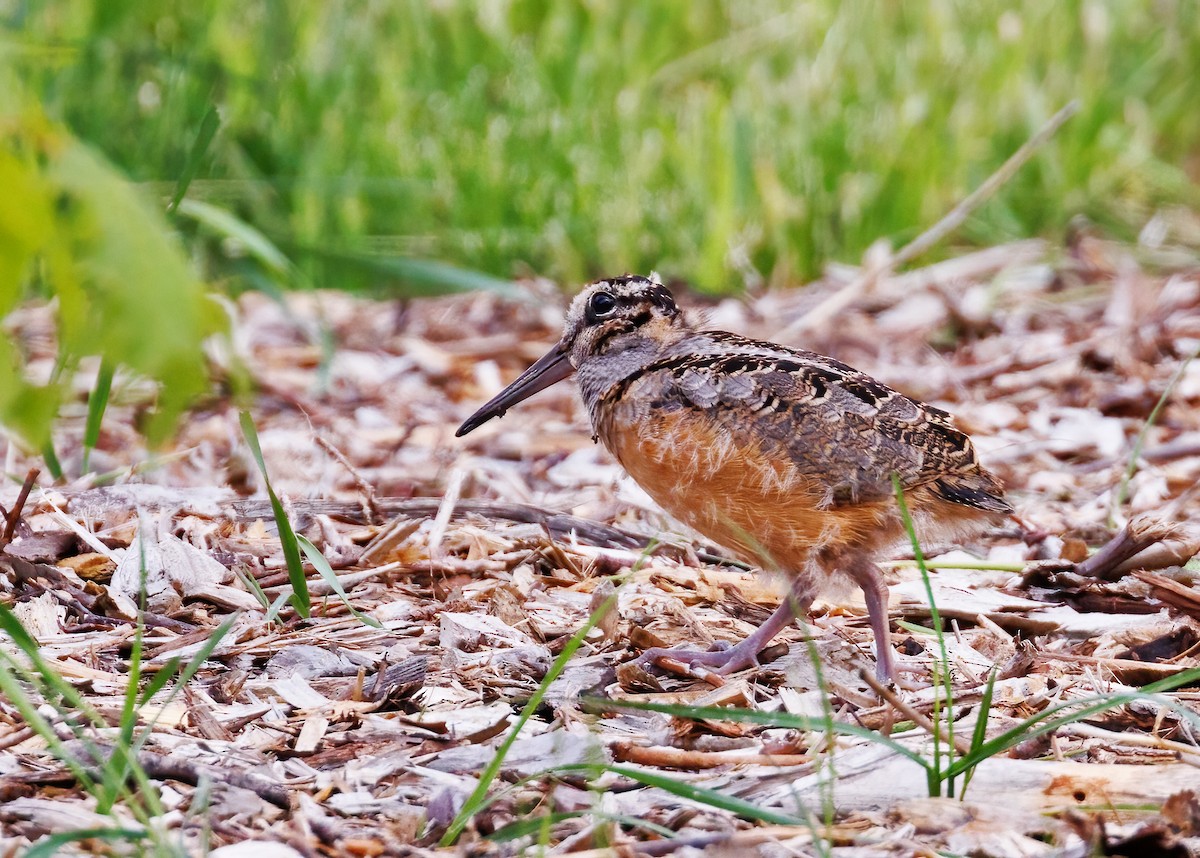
x=618 y=321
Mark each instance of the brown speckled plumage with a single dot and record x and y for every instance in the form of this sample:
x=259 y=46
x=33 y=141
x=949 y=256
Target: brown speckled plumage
x=783 y=456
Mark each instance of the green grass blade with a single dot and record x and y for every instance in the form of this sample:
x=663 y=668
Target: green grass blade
x=321 y=564
x=828 y=805
x=117 y=768
x=980 y=565
x=49 y=846
x=28 y=709
x=50 y=457
x=744 y=809
x=158 y=681
x=476 y=800
x=199 y=810
x=110 y=773
x=210 y=645
x=528 y=169
x=254 y=587
x=168 y=671
x=421 y=277
x=204 y=137
x=53 y=683
x=947 y=679
x=131 y=748
x=278 y=605
x=703 y=795
x=225 y=224
x=533 y=825
x=979 y=736
x=287 y=536
x=121 y=764
x=1046 y=722
x=985 y=707
x=1170 y=683
x=96 y=406
x=130 y=698
x=73 y=709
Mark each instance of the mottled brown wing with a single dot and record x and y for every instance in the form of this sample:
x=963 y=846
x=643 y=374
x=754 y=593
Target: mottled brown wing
x=836 y=425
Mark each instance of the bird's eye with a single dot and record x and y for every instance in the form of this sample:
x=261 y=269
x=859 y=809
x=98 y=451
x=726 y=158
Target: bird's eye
x=602 y=304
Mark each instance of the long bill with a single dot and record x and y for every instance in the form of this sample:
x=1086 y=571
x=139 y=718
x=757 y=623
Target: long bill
x=550 y=369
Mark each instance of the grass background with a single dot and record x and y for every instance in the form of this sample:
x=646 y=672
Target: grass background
x=721 y=142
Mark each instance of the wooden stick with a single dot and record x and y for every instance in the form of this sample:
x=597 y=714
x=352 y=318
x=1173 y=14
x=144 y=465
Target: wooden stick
x=1139 y=534
x=14 y=514
x=168 y=767
x=561 y=525
x=374 y=516
x=961 y=744
x=678 y=758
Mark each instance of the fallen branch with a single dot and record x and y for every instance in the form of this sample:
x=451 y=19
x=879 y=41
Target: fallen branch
x=164 y=767
x=961 y=744
x=1137 y=535
x=560 y=525
x=13 y=517
x=678 y=758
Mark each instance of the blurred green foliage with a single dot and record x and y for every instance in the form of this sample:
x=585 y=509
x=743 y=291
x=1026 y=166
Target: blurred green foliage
x=72 y=227
x=708 y=140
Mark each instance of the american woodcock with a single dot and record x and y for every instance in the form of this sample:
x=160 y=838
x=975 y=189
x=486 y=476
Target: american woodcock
x=783 y=456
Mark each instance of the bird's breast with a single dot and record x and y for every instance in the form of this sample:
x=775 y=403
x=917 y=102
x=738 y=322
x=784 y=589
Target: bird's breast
x=736 y=490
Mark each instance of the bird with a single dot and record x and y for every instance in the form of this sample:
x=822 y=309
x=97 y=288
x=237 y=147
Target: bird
x=786 y=458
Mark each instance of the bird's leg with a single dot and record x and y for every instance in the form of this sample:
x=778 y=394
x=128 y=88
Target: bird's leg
x=867 y=575
x=745 y=654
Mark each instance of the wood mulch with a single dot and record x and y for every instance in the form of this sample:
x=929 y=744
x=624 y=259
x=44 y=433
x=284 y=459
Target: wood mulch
x=480 y=557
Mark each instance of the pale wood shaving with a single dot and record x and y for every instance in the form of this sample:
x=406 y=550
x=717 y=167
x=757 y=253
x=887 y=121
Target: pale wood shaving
x=480 y=557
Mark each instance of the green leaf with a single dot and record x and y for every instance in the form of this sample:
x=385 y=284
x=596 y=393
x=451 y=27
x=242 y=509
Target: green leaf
x=24 y=228
x=125 y=290
x=26 y=410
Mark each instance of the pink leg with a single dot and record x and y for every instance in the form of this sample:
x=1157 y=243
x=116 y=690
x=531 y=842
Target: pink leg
x=875 y=592
x=745 y=654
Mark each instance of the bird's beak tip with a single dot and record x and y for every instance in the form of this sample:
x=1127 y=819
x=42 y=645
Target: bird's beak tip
x=474 y=422
x=553 y=367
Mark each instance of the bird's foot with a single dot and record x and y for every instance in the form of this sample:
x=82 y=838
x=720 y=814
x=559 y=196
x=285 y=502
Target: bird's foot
x=721 y=659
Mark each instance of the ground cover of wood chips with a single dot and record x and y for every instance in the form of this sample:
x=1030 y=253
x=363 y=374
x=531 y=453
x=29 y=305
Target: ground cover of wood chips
x=479 y=558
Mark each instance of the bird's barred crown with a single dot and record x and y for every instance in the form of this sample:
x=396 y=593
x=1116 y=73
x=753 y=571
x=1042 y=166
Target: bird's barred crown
x=609 y=315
